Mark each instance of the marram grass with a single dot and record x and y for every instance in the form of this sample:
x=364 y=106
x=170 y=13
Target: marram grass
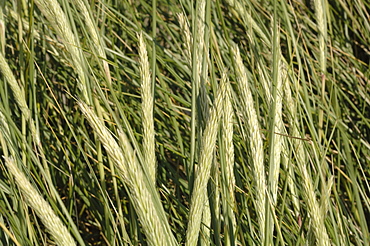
x=135 y=178
x=202 y=173
x=147 y=111
x=227 y=170
x=255 y=141
x=51 y=221
x=184 y=123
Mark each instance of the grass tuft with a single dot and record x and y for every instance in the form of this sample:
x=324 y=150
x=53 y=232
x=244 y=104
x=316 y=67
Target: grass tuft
x=207 y=122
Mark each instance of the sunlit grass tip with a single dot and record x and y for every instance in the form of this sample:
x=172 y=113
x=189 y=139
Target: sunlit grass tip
x=147 y=103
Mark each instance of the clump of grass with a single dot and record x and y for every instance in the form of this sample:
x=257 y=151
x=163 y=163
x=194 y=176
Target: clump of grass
x=253 y=135
x=140 y=184
x=202 y=174
x=214 y=123
x=46 y=213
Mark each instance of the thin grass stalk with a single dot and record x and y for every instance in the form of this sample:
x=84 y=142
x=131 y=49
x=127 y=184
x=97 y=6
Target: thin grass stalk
x=10 y=235
x=2 y=29
x=276 y=126
x=277 y=122
x=320 y=9
x=196 y=64
x=43 y=210
x=202 y=175
x=97 y=42
x=291 y=113
x=44 y=170
x=265 y=84
x=58 y=20
x=203 y=49
x=325 y=195
x=36 y=33
x=19 y=96
x=315 y=213
x=4 y=135
x=322 y=36
x=186 y=36
x=198 y=40
x=119 y=209
x=214 y=204
x=205 y=238
x=147 y=111
x=255 y=141
x=153 y=221
x=228 y=196
x=97 y=49
x=357 y=196
x=145 y=199
x=154 y=44
x=248 y=19
x=203 y=103
x=363 y=11
x=341 y=227
x=17 y=89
